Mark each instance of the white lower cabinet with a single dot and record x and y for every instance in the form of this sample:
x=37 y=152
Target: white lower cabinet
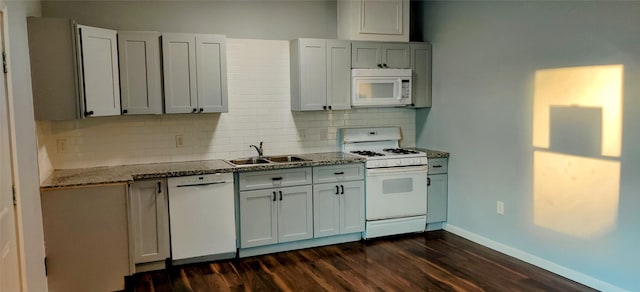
x=437 y=189
x=275 y=215
x=338 y=208
x=85 y=230
x=437 y=198
x=149 y=221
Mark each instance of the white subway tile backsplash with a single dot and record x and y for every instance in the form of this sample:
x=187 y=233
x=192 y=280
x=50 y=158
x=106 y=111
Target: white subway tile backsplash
x=259 y=110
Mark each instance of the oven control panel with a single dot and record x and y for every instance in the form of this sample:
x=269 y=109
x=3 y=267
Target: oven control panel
x=397 y=162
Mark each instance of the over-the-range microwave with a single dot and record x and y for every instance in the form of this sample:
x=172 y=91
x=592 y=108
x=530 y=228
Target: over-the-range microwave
x=380 y=87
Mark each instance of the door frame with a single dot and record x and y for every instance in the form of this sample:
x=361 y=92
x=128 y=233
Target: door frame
x=4 y=38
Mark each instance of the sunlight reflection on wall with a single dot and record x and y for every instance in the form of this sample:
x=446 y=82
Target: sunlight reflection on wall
x=577 y=134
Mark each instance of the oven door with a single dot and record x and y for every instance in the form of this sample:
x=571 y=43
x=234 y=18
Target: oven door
x=396 y=192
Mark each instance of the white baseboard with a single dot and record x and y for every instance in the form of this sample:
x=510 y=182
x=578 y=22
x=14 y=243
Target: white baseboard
x=534 y=260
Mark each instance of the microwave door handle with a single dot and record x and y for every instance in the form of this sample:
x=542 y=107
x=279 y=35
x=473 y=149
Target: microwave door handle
x=399 y=88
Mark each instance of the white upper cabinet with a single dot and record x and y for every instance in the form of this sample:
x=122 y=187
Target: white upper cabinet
x=380 y=55
x=140 y=72
x=373 y=20
x=194 y=73
x=99 y=64
x=320 y=74
x=211 y=67
x=74 y=69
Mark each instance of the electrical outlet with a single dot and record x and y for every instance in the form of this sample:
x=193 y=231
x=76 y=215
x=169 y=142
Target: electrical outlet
x=179 y=141
x=61 y=145
x=500 y=208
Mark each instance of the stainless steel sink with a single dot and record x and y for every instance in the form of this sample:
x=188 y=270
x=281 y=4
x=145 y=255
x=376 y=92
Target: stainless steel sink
x=265 y=160
x=285 y=158
x=248 y=161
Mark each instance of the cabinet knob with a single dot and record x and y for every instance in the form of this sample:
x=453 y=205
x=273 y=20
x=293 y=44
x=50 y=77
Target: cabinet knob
x=324 y=107
x=329 y=107
x=385 y=66
x=428 y=181
x=280 y=195
x=88 y=113
x=274 y=196
x=194 y=110
x=124 y=111
x=201 y=109
x=379 y=65
x=337 y=190
x=342 y=189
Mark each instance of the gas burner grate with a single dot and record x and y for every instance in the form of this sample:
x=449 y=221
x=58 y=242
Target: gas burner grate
x=400 y=151
x=367 y=153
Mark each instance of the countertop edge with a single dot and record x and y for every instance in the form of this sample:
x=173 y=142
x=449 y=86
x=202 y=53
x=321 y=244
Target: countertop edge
x=125 y=174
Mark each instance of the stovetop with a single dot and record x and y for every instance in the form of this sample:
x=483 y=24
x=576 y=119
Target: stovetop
x=388 y=153
x=380 y=146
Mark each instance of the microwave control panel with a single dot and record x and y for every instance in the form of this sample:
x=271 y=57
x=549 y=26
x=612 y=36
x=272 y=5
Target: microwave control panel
x=406 y=89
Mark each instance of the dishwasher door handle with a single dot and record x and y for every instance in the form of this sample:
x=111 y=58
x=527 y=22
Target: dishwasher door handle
x=202 y=184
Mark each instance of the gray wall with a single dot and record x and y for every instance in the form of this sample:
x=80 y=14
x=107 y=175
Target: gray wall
x=252 y=19
x=485 y=59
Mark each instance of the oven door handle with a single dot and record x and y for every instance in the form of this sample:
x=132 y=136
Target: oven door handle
x=405 y=169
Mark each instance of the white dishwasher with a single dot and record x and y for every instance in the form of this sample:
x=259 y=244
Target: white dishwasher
x=202 y=218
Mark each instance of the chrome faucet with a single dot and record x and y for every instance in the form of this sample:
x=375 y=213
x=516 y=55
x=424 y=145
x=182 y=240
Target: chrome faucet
x=258 y=148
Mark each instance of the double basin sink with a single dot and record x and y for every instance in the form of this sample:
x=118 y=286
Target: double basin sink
x=266 y=160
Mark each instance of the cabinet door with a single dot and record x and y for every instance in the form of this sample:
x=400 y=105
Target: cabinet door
x=395 y=55
x=179 y=66
x=87 y=240
x=212 y=73
x=149 y=221
x=338 y=74
x=258 y=218
x=100 y=81
x=352 y=215
x=421 y=81
x=313 y=74
x=295 y=213
x=366 y=55
x=326 y=210
x=140 y=77
x=381 y=17
x=437 y=198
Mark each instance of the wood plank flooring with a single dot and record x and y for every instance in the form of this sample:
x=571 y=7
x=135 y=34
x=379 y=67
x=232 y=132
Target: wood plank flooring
x=433 y=261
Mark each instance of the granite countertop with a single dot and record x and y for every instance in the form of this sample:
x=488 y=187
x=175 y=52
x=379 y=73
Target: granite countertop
x=123 y=174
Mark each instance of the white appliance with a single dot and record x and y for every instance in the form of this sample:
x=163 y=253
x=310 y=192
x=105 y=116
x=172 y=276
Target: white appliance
x=202 y=218
x=396 y=181
x=380 y=87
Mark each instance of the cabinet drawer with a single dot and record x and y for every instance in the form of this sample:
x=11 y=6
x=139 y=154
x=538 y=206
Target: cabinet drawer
x=337 y=173
x=437 y=165
x=274 y=178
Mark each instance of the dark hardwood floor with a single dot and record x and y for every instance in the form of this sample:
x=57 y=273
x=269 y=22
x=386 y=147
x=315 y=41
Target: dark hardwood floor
x=433 y=261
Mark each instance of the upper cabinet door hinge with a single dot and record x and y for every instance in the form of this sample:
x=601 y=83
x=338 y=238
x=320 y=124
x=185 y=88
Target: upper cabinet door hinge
x=4 y=63
x=13 y=191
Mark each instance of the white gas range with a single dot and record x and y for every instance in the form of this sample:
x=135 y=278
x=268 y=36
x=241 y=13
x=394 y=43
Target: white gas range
x=396 y=181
